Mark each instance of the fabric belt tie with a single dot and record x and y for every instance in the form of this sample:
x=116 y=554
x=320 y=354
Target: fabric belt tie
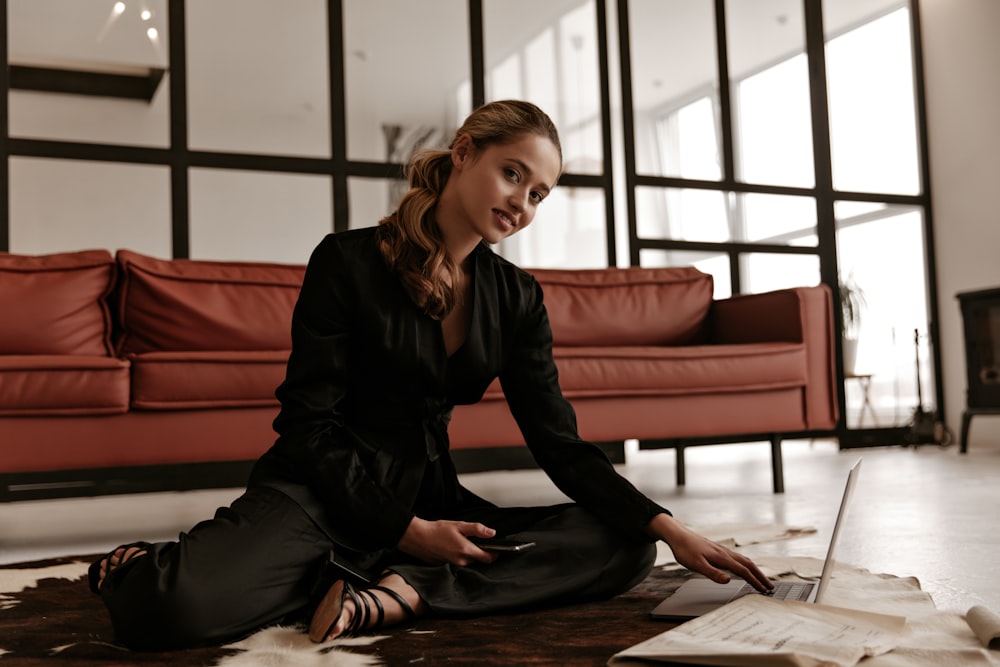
x=436 y=434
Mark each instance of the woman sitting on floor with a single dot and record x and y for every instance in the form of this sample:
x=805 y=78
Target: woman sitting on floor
x=396 y=324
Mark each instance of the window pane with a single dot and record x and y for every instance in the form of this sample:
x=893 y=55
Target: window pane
x=716 y=264
x=894 y=307
x=674 y=83
x=89 y=36
x=99 y=205
x=404 y=65
x=770 y=87
x=547 y=53
x=872 y=110
x=777 y=219
x=764 y=272
x=720 y=217
x=371 y=199
x=568 y=232
x=683 y=214
x=258 y=77
x=258 y=216
x=686 y=141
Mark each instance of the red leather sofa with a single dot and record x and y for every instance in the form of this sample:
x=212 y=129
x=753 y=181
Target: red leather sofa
x=133 y=373
x=648 y=354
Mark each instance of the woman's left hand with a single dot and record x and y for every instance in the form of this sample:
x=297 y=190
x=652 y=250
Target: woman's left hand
x=445 y=541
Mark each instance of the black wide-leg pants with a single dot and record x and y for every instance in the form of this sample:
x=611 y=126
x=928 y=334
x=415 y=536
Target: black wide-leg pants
x=258 y=562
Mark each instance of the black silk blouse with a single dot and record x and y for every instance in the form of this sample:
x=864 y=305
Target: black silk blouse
x=369 y=390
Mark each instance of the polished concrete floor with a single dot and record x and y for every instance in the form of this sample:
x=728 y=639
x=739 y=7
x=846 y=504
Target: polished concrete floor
x=930 y=513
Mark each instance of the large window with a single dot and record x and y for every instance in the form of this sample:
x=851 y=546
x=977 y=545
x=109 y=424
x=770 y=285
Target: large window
x=771 y=143
x=742 y=169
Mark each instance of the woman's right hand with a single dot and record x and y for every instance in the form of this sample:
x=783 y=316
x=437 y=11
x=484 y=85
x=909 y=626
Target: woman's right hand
x=699 y=554
x=445 y=542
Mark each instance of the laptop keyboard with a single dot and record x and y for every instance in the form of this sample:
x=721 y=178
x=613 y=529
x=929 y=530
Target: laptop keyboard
x=783 y=590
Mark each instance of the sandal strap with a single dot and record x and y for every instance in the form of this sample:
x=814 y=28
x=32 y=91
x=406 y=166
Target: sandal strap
x=379 y=609
x=365 y=618
x=397 y=597
x=360 y=617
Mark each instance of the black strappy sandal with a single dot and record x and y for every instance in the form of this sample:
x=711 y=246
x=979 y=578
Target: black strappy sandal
x=335 y=598
x=94 y=571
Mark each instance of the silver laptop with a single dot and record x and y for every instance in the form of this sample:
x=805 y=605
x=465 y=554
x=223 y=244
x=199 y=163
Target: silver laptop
x=701 y=595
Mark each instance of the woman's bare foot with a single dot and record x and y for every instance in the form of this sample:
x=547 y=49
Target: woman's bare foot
x=346 y=609
x=116 y=559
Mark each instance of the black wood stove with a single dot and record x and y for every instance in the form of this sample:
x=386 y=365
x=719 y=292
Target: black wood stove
x=981 y=318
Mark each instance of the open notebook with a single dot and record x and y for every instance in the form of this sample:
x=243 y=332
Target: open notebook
x=700 y=595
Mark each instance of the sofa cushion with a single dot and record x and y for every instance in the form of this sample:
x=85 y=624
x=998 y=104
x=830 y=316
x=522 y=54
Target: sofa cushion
x=631 y=306
x=56 y=304
x=190 y=305
x=594 y=372
x=186 y=380
x=137 y=438
x=41 y=384
x=689 y=370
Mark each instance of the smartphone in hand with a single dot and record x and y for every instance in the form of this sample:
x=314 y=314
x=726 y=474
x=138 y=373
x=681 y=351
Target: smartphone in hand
x=501 y=545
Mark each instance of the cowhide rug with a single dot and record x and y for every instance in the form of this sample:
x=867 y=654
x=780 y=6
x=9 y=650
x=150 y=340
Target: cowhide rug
x=49 y=617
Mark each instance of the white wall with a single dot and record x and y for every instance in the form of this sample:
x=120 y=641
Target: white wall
x=961 y=65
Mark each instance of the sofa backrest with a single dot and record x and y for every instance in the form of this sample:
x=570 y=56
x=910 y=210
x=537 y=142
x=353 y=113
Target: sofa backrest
x=56 y=304
x=630 y=306
x=59 y=304
x=191 y=305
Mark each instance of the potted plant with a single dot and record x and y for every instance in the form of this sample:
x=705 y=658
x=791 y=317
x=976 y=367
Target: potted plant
x=852 y=302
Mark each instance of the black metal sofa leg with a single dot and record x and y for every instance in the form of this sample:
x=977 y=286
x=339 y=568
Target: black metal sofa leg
x=681 y=478
x=777 y=471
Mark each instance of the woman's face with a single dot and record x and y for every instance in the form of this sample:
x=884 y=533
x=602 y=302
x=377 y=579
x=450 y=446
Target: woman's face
x=498 y=189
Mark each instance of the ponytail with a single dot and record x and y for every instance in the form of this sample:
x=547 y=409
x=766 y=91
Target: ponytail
x=411 y=242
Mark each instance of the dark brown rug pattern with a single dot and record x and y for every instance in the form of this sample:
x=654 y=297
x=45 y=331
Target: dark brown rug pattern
x=59 y=622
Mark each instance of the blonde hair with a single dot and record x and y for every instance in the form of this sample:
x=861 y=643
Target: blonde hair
x=409 y=238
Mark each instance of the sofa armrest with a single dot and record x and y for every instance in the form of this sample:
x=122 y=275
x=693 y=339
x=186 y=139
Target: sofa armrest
x=797 y=315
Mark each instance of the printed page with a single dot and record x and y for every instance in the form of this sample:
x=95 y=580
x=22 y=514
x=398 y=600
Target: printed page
x=757 y=630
